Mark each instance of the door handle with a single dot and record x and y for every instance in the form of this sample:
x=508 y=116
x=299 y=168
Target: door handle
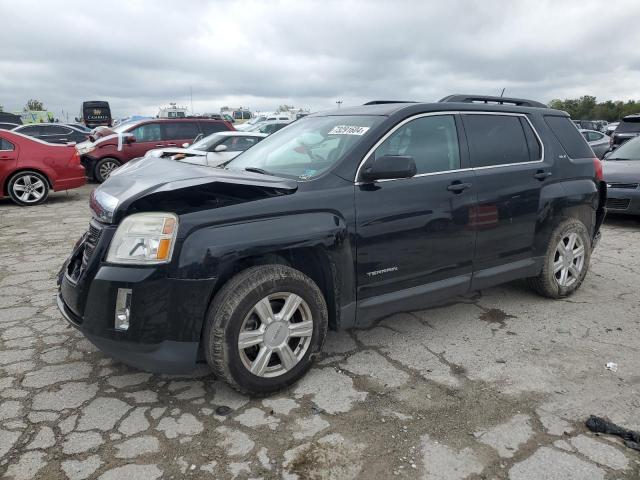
x=5 y=157
x=458 y=187
x=172 y=144
x=542 y=175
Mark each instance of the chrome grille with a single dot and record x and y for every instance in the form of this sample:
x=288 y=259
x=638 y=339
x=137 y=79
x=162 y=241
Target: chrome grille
x=90 y=243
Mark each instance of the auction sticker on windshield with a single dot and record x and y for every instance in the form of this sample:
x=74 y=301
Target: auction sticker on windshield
x=348 y=130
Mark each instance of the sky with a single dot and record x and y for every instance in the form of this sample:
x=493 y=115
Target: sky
x=140 y=55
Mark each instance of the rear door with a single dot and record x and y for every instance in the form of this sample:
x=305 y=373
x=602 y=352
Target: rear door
x=413 y=238
x=508 y=159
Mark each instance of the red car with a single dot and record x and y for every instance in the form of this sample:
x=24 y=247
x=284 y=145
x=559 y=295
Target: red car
x=108 y=148
x=30 y=168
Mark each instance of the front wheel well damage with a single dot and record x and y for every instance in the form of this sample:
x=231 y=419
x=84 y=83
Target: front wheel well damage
x=313 y=262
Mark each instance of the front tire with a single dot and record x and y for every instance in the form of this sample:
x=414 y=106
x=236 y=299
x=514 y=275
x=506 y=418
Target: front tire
x=104 y=167
x=566 y=261
x=264 y=328
x=28 y=188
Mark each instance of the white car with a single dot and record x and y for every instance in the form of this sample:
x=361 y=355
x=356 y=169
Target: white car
x=212 y=150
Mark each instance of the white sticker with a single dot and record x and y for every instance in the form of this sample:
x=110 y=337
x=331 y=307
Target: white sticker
x=348 y=130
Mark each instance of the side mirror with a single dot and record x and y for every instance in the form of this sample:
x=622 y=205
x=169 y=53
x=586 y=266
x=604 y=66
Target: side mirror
x=220 y=148
x=130 y=139
x=185 y=145
x=389 y=167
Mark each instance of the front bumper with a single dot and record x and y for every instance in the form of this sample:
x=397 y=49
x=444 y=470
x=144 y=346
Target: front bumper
x=623 y=200
x=166 y=314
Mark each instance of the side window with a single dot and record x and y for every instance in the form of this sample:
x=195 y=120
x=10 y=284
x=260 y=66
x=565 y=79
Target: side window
x=212 y=127
x=496 y=140
x=180 y=130
x=6 y=145
x=30 y=130
x=55 y=130
x=240 y=144
x=432 y=142
x=594 y=136
x=149 y=132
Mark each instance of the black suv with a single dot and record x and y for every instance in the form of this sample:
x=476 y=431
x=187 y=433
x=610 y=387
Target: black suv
x=628 y=128
x=336 y=220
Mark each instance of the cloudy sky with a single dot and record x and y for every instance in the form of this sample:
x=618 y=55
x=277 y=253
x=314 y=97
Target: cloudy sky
x=139 y=55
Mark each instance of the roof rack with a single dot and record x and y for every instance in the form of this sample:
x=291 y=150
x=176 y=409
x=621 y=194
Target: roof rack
x=384 y=102
x=521 y=102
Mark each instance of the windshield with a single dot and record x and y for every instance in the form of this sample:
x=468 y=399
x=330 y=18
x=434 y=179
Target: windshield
x=629 y=150
x=306 y=148
x=207 y=142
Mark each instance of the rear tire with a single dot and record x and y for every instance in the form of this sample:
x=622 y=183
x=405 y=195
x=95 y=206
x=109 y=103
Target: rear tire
x=28 y=188
x=566 y=261
x=104 y=167
x=264 y=328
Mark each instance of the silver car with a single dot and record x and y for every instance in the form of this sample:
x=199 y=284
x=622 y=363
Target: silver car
x=213 y=150
x=598 y=141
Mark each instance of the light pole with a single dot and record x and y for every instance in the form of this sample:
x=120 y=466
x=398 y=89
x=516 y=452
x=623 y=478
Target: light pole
x=339 y=103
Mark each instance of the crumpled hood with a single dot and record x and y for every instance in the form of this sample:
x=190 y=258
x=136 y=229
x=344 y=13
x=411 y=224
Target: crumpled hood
x=149 y=175
x=621 y=171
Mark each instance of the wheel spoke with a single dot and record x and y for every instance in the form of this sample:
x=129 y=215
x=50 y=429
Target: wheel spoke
x=578 y=251
x=261 y=362
x=38 y=184
x=564 y=273
x=250 y=338
x=288 y=359
x=27 y=180
x=573 y=269
x=18 y=188
x=290 y=306
x=301 y=329
x=264 y=311
x=572 y=241
x=557 y=266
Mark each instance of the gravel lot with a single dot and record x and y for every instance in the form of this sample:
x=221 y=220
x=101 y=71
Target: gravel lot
x=496 y=385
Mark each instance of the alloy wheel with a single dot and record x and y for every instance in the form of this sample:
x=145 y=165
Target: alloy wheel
x=276 y=334
x=568 y=260
x=106 y=168
x=29 y=188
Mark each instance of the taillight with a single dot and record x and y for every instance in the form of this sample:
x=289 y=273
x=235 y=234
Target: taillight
x=75 y=158
x=598 y=167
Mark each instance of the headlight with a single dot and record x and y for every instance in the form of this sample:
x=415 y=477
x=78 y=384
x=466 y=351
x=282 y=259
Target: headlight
x=144 y=238
x=84 y=149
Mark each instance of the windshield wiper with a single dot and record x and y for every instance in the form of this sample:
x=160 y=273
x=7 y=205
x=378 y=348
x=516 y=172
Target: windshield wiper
x=257 y=170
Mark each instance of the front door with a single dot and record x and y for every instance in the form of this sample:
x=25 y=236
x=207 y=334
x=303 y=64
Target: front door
x=414 y=240
x=148 y=136
x=507 y=159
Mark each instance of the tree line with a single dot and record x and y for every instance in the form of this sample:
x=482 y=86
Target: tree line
x=588 y=108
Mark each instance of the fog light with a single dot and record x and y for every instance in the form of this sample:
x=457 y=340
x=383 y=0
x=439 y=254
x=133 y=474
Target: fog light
x=123 y=309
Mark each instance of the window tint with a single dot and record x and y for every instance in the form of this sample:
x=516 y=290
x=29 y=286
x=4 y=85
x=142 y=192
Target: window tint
x=535 y=150
x=149 y=132
x=212 y=127
x=431 y=141
x=496 y=140
x=6 y=144
x=180 y=130
x=569 y=137
x=593 y=136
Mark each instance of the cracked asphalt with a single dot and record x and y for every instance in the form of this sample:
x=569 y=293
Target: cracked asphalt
x=496 y=385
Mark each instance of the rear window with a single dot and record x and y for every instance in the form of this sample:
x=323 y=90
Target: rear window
x=212 y=127
x=569 y=137
x=6 y=144
x=629 y=125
